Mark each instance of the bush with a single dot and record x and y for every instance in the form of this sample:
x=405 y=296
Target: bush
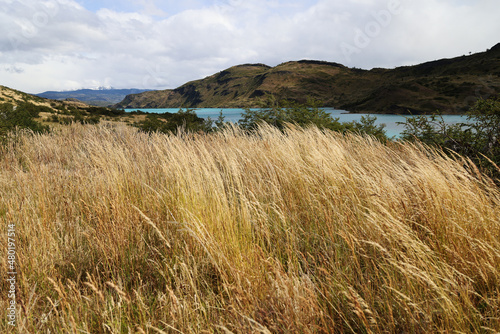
x=54 y=119
x=20 y=117
x=171 y=123
x=366 y=126
x=105 y=111
x=152 y=123
x=477 y=139
x=282 y=112
x=95 y=119
x=279 y=113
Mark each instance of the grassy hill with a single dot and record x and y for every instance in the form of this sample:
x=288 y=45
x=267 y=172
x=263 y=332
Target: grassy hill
x=450 y=85
x=9 y=95
x=51 y=112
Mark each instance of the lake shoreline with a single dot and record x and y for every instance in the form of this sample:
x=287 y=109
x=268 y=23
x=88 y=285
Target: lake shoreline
x=345 y=112
x=233 y=115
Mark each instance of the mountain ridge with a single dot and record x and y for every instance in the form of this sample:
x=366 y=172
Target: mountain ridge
x=449 y=85
x=100 y=96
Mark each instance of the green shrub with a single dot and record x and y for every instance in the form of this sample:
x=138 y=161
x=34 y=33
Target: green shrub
x=477 y=139
x=105 y=111
x=172 y=122
x=278 y=113
x=95 y=119
x=54 y=119
x=20 y=117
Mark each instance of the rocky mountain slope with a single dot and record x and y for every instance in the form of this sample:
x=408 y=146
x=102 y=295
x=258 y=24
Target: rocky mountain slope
x=447 y=85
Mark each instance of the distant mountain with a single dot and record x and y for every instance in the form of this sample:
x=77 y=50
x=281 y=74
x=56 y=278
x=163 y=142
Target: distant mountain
x=100 y=97
x=448 y=85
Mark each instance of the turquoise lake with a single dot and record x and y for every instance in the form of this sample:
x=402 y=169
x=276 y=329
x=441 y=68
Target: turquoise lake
x=234 y=115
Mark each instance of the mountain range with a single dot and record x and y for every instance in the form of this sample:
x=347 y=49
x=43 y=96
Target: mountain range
x=99 y=97
x=447 y=85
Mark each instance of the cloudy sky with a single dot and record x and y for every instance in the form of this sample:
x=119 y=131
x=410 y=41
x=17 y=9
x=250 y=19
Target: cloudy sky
x=158 y=44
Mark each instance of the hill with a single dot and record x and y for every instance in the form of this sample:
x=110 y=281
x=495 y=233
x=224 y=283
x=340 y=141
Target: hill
x=64 y=112
x=448 y=85
x=9 y=95
x=97 y=97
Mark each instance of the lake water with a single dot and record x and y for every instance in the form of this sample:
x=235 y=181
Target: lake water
x=234 y=115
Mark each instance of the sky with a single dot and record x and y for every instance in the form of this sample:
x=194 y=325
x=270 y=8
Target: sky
x=161 y=44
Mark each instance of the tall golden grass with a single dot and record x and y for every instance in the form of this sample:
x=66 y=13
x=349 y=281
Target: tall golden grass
x=301 y=231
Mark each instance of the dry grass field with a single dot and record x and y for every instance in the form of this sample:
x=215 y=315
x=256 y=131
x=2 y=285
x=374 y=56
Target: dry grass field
x=118 y=231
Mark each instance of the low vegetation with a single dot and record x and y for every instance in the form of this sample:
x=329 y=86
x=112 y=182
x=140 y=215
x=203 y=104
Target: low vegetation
x=283 y=112
x=183 y=120
x=478 y=138
x=38 y=118
x=272 y=112
x=21 y=116
x=280 y=230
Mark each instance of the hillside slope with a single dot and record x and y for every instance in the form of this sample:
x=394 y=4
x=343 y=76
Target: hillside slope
x=9 y=95
x=67 y=109
x=448 y=85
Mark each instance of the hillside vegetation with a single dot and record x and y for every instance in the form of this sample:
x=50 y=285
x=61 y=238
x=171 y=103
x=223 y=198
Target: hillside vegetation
x=300 y=230
x=447 y=85
x=15 y=97
x=26 y=111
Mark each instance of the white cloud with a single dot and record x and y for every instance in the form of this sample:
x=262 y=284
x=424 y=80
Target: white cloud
x=58 y=44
